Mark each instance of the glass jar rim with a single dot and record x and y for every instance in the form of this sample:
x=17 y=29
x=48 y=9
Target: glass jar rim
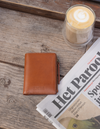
x=82 y=6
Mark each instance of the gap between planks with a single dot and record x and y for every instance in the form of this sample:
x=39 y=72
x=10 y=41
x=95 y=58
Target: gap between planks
x=38 y=11
x=16 y=65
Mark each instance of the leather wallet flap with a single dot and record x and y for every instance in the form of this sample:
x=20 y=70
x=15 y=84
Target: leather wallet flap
x=40 y=75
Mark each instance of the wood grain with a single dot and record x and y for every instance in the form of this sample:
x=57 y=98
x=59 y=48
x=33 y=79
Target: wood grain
x=52 y=5
x=16 y=110
x=22 y=33
x=55 y=9
x=52 y=9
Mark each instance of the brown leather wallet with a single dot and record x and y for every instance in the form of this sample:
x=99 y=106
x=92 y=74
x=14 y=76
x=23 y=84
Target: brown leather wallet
x=40 y=73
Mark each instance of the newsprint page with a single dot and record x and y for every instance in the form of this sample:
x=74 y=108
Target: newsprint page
x=77 y=104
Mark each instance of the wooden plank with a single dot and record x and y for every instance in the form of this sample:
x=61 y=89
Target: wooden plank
x=16 y=110
x=52 y=9
x=22 y=33
x=52 y=5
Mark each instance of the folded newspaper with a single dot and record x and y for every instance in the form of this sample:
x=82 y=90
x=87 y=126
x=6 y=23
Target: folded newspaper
x=77 y=104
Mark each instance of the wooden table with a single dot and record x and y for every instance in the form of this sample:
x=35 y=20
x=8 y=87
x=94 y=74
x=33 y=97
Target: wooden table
x=22 y=33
